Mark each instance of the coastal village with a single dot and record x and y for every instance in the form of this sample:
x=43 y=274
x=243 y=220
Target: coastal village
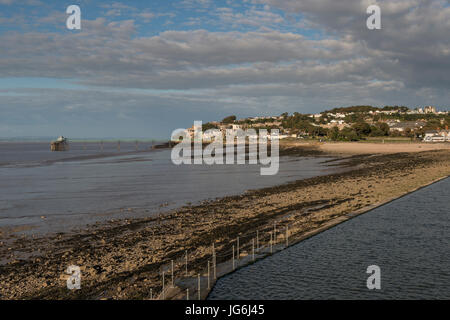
x=345 y=124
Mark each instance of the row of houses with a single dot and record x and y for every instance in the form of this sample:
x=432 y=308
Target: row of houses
x=254 y=119
x=403 y=126
x=210 y=135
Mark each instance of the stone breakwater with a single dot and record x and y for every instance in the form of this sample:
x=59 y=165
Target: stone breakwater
x=124 y=259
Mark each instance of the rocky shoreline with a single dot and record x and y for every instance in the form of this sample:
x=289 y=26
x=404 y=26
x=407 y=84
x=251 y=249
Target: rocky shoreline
x=124 y=259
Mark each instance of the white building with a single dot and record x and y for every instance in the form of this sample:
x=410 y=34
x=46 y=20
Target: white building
x=437 y=136
x=430 y=109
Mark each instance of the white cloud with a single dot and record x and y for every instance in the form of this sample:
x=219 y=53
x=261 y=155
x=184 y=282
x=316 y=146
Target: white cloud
x=214 y=73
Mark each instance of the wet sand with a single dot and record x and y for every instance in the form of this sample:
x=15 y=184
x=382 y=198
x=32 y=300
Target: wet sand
x=124 y=259
x=376 y=148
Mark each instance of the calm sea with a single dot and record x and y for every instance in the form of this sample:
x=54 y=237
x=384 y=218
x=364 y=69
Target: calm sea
x=409 y=239
x=58 y=191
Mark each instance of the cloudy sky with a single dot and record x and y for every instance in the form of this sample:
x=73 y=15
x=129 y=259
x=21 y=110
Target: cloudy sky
x=144 y=68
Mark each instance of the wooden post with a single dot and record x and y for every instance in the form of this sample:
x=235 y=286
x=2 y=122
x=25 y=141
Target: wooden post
x=163 y=292
x=151 y=294
x=257 y=240
x=287 y=236
x=199 y=294
x=186 y=264
x=271 y=249
x=275 y=232
x=208 y=275
x=171 y=262
x=233 y=257
x=237 y=251
x=118 y=145
x=187 y=294
x=214 y=262
x=253 y=249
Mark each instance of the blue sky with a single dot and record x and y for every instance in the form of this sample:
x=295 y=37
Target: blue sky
x=151 y=17
x=145 y=68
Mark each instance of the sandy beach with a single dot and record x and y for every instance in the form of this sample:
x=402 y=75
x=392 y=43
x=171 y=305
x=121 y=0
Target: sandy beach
x=352 y=148
x=124 y=259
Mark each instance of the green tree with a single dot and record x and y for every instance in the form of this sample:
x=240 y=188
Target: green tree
x=284 y=115
x=362 y=128
x=208 y=125
x=384 y=127
x=229 y=119
x=349 y=134
x=334 y=133
x=375 y=131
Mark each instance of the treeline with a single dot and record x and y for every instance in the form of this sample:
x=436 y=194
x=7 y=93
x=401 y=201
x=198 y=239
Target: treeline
x=358 y=131
x=411 y=117
x=351 y=109
x=360 y=109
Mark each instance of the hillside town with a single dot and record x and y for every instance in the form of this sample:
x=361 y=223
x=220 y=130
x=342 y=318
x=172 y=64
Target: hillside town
x=345 y=124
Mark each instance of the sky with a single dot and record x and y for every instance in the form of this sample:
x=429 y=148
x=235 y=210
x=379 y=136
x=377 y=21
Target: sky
x=145 y=68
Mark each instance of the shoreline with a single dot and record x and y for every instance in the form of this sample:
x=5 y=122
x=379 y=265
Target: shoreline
x=125 y=260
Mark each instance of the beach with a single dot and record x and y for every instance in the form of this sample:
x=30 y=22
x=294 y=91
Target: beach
x=124 y=258
x=354 y=148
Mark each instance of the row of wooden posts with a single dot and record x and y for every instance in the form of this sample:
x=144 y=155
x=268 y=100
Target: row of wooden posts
x=211 y=264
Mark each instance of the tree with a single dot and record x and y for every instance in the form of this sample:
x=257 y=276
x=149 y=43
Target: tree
x=229 y=119
x=380 y=129
x=352 y=109
x=375 y=131
x=208 y=126
x=384 y=128
x=409 y=132
x=349 y=134
x=362 y=128
x=334 y=134
x=318 y=131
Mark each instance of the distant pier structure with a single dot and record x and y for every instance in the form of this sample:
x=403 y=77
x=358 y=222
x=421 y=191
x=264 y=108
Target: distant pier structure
x=60 y=144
